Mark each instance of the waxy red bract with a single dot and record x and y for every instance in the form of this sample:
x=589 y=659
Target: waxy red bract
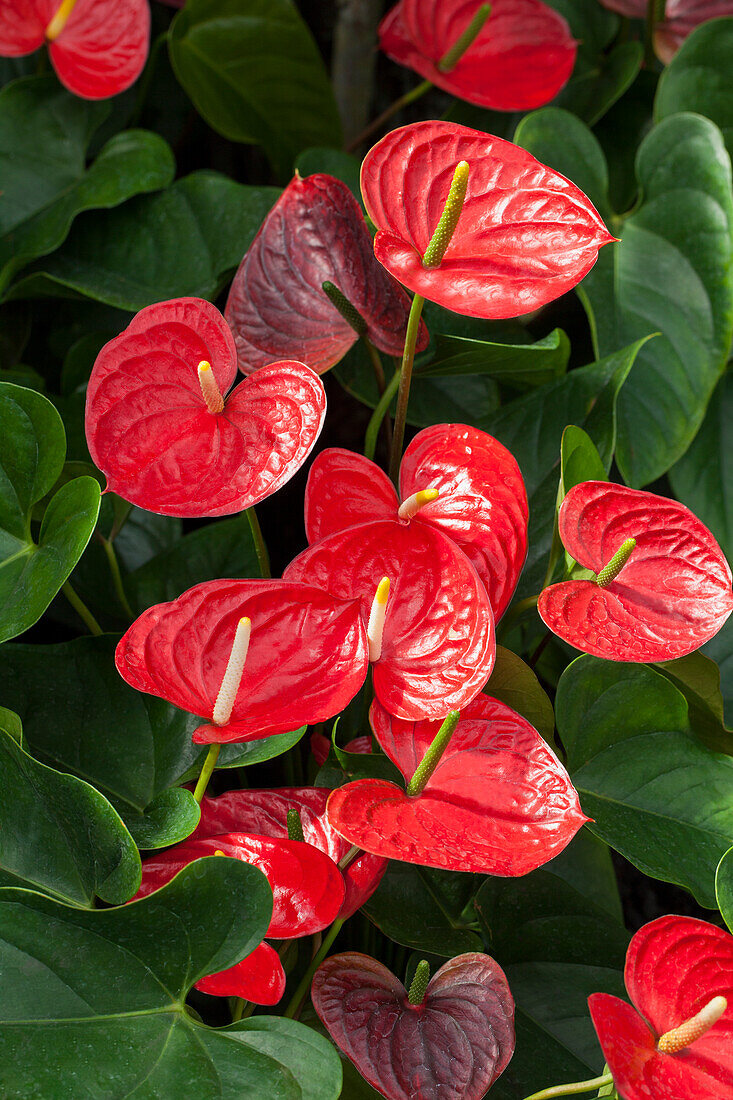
x=307 y=655
x=453 y=1046
x=266 y=813
x=672 y=595
x=499 y=801
x=100 y=51
x=521 y=58
x=259 y=978
x=680 y=19
x=525 y=236
x=482 y=504
x=674 y=967
x=151 y=433
x=439 y=646
x=277 y=307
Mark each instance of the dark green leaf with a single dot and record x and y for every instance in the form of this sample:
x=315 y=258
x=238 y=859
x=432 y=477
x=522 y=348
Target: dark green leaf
x=724 y=888
x=254 y=752
x=334 y=162
x=720 y=649
x=598 y=82
x=514 y=364
x=579 y=460
x=699 y=77
x=513 y=682
x=698 y=678
x=254 y=73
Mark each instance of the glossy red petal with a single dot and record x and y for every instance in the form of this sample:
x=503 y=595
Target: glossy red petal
x=307 y=886
x=307 y=655
x=103 y=47
x=277 y=308
x=526 y=234
x=672 y=595
x=23 y=25
x=451 y=1047
x=343 y=489
x=439 y=646
x=266 y=812
x=150 y=432
x=520 y=60
x=499 y=802
x=259 y=978
x=482 y=504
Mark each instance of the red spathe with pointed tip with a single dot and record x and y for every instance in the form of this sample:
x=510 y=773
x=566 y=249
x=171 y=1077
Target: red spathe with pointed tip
x=482 y=504
x=150 y=431
x=259 y=978
x=674 y=967
x=499 y=802
x=99 y=52
x=277 y=307
x=453 y=1046
x=525 y=236
x=672 y=595
x=521 y=58
x=307 y=655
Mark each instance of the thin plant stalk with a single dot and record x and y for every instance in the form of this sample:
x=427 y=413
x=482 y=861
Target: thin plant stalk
x=405 y=380
x=209 y=764
x=301 y=992
x=378 y=367
x=372 y=432
x=574 y=1089
x=114 y=568
x=81 y=609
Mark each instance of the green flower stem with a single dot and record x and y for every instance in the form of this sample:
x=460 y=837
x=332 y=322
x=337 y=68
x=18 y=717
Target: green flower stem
x=302 y=991
x=114 y=568
x=82 y=610
x=377 y=366
x=574 y=1089
x=241 y=1009
x=403 y=394
x=372 y=432
x=209 y=764
x=654 y=15
x=431 y=759
x=263 y=558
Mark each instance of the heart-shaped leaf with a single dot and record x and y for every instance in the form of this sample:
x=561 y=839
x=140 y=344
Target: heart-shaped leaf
x=453 y=1045
x=698 y=78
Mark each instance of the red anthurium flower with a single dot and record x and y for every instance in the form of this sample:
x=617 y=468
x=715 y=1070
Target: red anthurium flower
x=431 y=634
x=252 y=657
x=321 y=746
x=525 y=234
x=259 y=978
x=448 y=1040
x=676 y=1043
x=662 y=585
x=499 y=801
x=169 y=438
x=97 y=47
x=453 y=477
x=680 y=19
x=277 y=306
x=521 y=57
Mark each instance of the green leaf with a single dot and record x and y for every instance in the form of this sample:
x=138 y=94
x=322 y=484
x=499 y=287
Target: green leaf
x=698 y=678
x=59 y=835
x=720 y=649
x=699 y=78
x=513 y=682
x=334 y=162
x=598 y=82
x=579 y=460
x=655 y=794
x=724 y=888
x=44 y=135
x=81 y=717
x=514 y=364
x=99 y=997
x=251 y=752
x=11 y=724
x=183 y=241
x=254 y=73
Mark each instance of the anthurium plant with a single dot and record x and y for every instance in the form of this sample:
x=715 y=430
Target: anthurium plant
x=366 y=482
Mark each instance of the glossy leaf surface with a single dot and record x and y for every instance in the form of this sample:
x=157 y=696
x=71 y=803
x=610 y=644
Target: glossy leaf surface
x=438 y=646
x=499 y=801
x=510 y=253
x=259 y=978
x=521 y=58
x=266 y=813
x=724 y=888
x=307 y=655
x=699 y=78
x=674 y=967
x=277 y=307
x=151 y=433
x=672 y=595
x=452 y=1046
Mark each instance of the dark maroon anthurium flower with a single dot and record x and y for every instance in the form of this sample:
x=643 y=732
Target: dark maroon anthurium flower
x=166 y=433
x=676 y=1043
x=521 y=57
x=449 y=1041
x=252 y=657
x=97 y=47
x=525 y=234
x=680 y=17
x=277 y=306
x=499 y=801
x=266 y=813
x=662 y=586
x=454 y=478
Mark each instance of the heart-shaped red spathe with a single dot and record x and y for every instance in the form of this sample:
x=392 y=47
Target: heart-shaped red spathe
x=307 y=655
x=266 y=813
x=277 y=307
x=499 y=802
x=672 y=595
x=439 y=646
x=521 y=58
x=100 y=51
x=674 y=968
x=453 y=1046
x=525 y=236
x=680 y=19
x=259 y=978
x=150 y=430
x=482 y=504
